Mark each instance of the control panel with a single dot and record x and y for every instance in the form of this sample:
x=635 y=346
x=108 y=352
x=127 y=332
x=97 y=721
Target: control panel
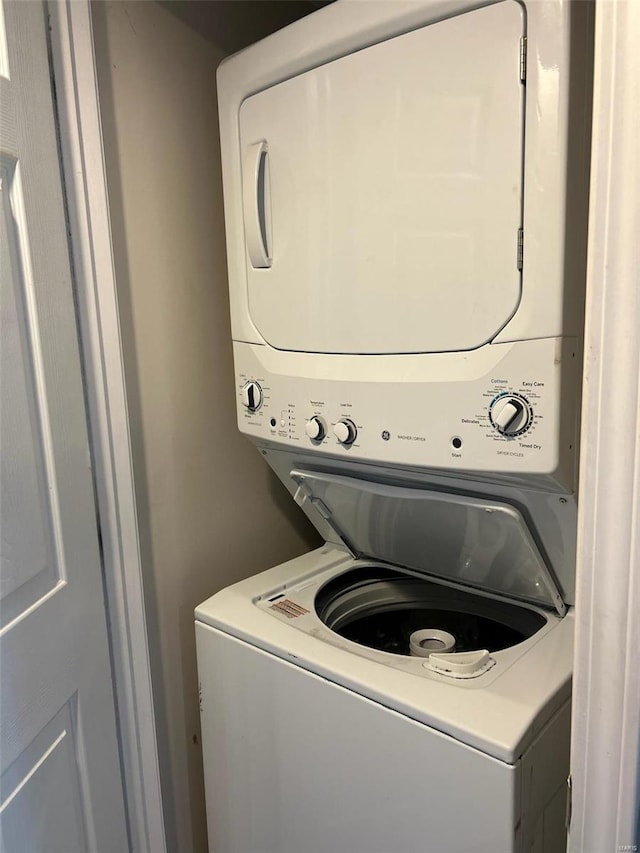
x=517 y=417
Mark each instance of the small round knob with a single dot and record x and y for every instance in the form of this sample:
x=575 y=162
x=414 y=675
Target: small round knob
x=345 y=431
x=315 y=428
x=252 y=395
x=511 y=415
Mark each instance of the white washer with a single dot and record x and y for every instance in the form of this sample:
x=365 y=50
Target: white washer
x=312 y=746
x=322 y=733
x=405 y=198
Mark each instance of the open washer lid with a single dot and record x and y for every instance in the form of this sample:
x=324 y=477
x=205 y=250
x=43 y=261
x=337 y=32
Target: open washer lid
x=473 y=541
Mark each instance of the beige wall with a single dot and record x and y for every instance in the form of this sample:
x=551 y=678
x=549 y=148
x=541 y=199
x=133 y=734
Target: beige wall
x=210 y=511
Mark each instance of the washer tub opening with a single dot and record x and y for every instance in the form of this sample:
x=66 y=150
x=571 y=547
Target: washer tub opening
x=381 y=608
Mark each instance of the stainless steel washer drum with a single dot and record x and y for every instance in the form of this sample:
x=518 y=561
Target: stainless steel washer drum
x=381 y=608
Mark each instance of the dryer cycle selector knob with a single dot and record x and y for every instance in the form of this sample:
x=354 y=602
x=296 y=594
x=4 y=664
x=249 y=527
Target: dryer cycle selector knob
x=252 y=395
x=315 y=428
x=511 y=414
x=345 y=431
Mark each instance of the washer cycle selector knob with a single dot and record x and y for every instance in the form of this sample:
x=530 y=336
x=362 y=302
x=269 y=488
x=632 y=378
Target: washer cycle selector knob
x=510 y=414
x=345 y=431
x=252 y=395
x=315 y=428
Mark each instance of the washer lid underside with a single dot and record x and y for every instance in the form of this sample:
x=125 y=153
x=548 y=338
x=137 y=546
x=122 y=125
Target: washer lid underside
x=471 y=540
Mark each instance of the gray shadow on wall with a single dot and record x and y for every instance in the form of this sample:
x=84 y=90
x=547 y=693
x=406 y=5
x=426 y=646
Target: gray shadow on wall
x=210 y=485
x=125 y=313
x=235 y=24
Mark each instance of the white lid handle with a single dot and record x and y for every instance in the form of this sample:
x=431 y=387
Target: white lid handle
x=461 y=664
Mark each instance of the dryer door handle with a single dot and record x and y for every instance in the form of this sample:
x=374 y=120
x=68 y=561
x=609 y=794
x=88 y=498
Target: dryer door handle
x=256 y=199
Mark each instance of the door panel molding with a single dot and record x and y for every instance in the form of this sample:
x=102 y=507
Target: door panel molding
x=32 y=567
x=46 y=779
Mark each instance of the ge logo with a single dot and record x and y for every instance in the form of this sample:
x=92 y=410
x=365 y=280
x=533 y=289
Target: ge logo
x=386 y=435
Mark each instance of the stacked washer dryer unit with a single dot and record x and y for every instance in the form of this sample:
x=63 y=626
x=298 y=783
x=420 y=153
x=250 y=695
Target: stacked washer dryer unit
x=405 y=199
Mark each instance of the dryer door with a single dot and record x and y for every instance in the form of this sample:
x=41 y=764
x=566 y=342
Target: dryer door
x=382 y=193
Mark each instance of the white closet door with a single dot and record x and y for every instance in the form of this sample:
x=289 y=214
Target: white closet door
x=382 y=193
x=60 y=786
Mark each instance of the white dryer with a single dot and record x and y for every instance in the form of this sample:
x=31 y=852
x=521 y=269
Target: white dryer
x=405 y=197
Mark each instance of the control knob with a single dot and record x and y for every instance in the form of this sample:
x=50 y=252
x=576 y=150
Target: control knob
x=345 y=431
x=252 y=395
x=510 y=414
x=315 y=428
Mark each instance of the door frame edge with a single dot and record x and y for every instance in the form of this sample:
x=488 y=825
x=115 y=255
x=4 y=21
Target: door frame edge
x=84 y=176
x=605 y=749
